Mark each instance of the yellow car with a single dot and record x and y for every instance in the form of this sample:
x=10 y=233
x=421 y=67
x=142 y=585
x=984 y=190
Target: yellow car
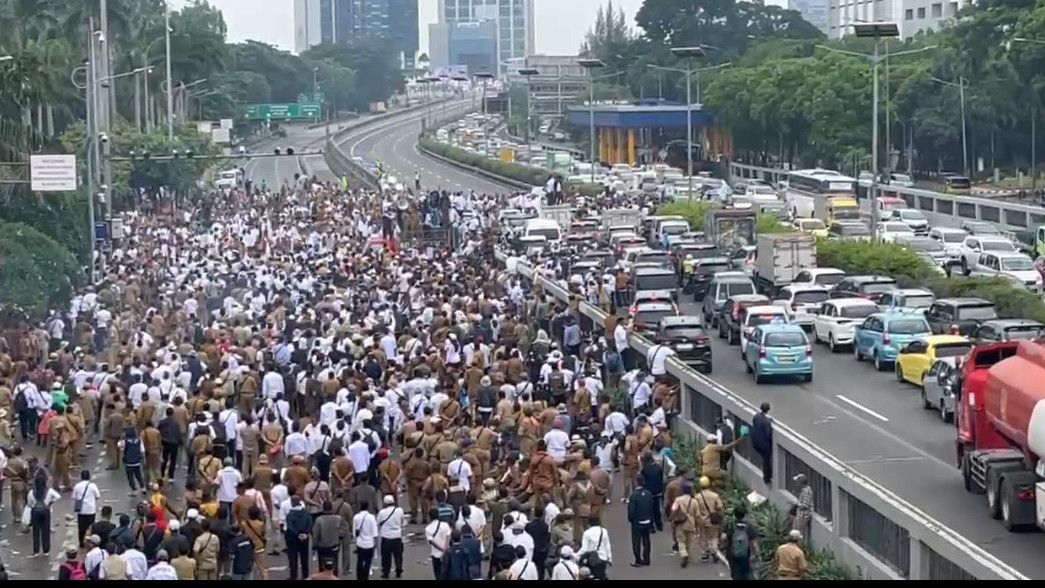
x=915 y=358
x=813 y=226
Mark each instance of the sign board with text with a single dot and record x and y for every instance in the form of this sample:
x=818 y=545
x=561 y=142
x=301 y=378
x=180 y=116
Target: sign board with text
x=52 y=173
x=297 y=111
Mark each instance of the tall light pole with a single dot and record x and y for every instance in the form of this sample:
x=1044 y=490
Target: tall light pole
x=170 y=85
x=591 y=65
x=1033 y=120
x=961 y=85
x=689 y=53
x=876 y=30
x=485 y=76
x=315 y=82
x=527 y=72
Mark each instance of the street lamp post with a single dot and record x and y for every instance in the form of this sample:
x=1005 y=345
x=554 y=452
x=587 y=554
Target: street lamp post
x=591 y=65
x=170 y=85
x=527 y=72
x=960 y=84
x=1033 y=122
x=876 y=30
x=315 y=82
x=689 y=53
x=485 y=76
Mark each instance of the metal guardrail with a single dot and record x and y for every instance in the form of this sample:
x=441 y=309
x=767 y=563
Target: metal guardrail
x=865 y=525
x=1008 y=215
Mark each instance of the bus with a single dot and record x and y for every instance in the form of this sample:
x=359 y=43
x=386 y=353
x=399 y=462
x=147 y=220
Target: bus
x=809 y=190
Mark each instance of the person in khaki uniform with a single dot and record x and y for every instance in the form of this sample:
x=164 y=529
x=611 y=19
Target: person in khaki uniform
x=683 y=514
x=184 y=566
x=114 y=425
x=62 y=438
x=250 y=444
x=206 y=550
x=17 y=474
x=391 y=478
x=416 y=470
x=711 y=514
x=790 y=562
x=150 y=436
x=248 y=390
x=208 y=468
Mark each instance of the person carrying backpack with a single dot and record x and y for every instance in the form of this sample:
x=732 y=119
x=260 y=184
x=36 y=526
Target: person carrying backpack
x=71 y=568
x=741 y=542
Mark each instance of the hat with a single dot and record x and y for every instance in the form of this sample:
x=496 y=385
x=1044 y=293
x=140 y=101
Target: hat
x=94 y=539
x=712 y=438
x=71 y=553
x=798 y=479
x=795 y=535
x=389 y=499
x=192 y=513
x=263 y=459
x=567 y=512
x=173 y=525
x=161 y=555
x=489 y=483
x=566 y=552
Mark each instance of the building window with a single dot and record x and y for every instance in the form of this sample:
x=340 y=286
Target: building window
x=921 y=12
x=954 y=8
x=937 y=10
x=908 y=14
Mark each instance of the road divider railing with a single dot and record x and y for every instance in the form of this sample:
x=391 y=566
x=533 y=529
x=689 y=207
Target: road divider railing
x=1011 y=216
x=865 y=525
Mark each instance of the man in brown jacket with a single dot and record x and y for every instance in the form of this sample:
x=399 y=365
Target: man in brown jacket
x=113 y=432
x=206 y=550
x=416 y=470
x=543 y=474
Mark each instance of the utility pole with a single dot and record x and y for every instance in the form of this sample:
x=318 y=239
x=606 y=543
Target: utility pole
x=89 y=103
x=170 y=87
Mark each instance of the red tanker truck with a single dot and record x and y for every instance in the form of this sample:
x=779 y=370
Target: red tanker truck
x=1001 y=430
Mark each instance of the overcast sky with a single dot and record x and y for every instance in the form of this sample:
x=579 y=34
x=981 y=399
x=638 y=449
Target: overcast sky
x=560 y=24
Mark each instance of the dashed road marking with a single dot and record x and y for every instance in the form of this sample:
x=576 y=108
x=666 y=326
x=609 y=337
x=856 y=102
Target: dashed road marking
x=859 y=406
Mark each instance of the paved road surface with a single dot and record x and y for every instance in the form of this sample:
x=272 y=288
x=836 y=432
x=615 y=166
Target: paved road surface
x=864 y=418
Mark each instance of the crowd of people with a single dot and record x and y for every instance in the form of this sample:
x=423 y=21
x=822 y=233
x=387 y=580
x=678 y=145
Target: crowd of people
x=289 y=377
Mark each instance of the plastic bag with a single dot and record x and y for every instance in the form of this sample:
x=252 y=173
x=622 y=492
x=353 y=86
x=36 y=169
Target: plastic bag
x=26 y=515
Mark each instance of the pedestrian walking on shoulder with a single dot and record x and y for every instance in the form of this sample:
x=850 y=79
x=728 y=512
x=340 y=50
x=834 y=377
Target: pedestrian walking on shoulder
x=85 y=504
x=390 y=521
x=741 y=544
x=365 y=530
x=641 y=507
x=41 y=498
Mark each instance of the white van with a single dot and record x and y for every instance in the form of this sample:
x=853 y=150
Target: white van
x=544 y=227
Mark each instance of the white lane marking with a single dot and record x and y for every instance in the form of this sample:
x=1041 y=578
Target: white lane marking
x=859 y=406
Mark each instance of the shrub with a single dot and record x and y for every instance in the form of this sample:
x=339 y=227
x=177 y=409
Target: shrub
x=692 y=210
x=515 y=171
x=860 y=257
x=1010 y=300
x=770 y=224
x=37 y=274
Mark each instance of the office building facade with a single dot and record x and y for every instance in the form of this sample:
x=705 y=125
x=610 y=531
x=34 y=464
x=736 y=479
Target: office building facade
x=559 y=82
x=912 y=16
x=513 y=21
x=338 y=21
x=813 y=11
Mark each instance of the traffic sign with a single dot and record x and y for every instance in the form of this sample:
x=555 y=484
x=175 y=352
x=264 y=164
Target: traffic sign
x=52 y=173
x=297 y=111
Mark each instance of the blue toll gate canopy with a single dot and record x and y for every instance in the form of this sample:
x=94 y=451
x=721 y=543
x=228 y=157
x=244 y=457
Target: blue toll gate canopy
x=638 y=116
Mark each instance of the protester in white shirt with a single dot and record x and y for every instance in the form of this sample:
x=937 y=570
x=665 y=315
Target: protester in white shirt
x=87 y=494
x=137 y=563
x=596 y=539
x=657 y=357
x=566 y=569
x=162 y=570
x=227 y=480
x=557 y=442
x=523 y=568
x=518 y=537
x=390 y=522
x=460 y=473
x=437 y=533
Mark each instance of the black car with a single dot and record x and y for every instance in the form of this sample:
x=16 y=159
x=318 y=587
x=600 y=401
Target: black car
x=963 y=315
x=686 y=337
x=703 y=271
x=732 y=313
x=870 y=287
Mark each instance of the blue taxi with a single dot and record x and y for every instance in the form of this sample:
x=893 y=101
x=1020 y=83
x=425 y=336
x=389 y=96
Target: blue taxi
x=778 y=350
x=882 y=334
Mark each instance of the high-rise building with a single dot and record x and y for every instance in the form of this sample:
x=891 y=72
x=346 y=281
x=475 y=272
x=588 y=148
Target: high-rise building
x=472 y=44
x=813 y=11
x=337 y=21
x=307 y=25
x=912 y=16
x=559 y=80
x=513 y=18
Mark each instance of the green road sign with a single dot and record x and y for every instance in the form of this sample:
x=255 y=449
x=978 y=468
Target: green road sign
x=282 y=111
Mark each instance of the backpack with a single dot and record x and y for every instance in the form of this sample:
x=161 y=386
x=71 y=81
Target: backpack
x=21 y=401
x=76 y=571
x=557 y=382
x=740 y=543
